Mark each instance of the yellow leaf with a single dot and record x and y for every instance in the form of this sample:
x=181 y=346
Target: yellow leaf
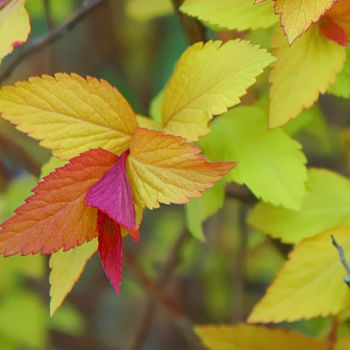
x=66 y=268
x=14 y=26
x=145 y=122
x=70 y=114
x=248 y=337
x=208 y=79
x=301 y=73
x=326 y=204
x=145 y=10
x=310 y=283
x=165 y=168
x=298 y=15
x=232 y=14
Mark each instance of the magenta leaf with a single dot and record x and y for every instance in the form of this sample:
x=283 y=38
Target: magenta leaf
x=110 y=249
x=113 y=196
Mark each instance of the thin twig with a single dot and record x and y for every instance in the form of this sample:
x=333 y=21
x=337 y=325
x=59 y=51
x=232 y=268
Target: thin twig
x=153 y=289
x=47 y=8
x=37 y=44
x=194 y=30
x=240 y=193
x=343 y=260
x=163 y=277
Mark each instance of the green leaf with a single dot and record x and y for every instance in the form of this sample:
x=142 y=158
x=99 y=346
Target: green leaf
x=326 y=205
x=232 y=14
x=341 y=88
x=145 y=10
x=271 y=163
x=199 y=209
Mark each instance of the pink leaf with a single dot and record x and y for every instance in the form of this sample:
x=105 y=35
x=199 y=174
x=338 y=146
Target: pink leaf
x=110 y=249
x=112 y=195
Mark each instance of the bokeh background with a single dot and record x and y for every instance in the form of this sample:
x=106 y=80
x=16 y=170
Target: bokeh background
x=218 y=281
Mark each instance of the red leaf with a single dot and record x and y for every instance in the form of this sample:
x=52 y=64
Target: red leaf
x=112 y=195
x=333 y=31
x=110 y=249
x=56 y=216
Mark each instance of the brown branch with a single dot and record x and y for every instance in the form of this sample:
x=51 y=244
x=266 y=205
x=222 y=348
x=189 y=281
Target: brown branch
x=153 y=289
x=37 y=44
x=194 y=29
x=332 y=335
x=240 y=193
x=47 y=9
x=163 y=277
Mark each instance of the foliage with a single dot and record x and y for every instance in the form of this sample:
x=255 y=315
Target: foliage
x=239 y=132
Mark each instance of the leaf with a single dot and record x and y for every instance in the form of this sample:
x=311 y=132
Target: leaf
x=310 y=283
x=209 y=79
x=144 y=10
x=110 y=249
x=66 y=268
x=326 y=204
x=202 y=208
x=56 y=216
x=248 y=337
x=333 y=31
x=301 y=73
x=341 y=87
x=232 y=14
x=166 y=169
x=113 y=196
x=343 y=344
x=340 y=13
x=23 y=320
x=70 y=114
x=14 y=25
x=270 y=163
x=298 y=15
x=145 y=122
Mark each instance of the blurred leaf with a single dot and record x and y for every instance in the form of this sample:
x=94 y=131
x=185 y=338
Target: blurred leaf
x=341 y=87
x=199 y=209
x=145 y=10
x=68 y=320
x=23 y=320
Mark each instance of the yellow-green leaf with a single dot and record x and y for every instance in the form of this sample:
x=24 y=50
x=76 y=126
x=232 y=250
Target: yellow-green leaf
x=248 y=337
x=326 y=204
x=208 y=79
x=70 y=114
x=66 y=268
x=310 y=283
x=200 y=209
x=270 y=162
x=301 y=72
x=341 y=87
x=14 y=26
x=232 y=14
x=145 y=10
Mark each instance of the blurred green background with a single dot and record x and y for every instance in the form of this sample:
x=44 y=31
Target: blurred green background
x=214 y=282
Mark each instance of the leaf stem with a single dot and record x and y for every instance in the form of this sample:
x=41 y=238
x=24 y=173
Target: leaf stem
x=343 y=260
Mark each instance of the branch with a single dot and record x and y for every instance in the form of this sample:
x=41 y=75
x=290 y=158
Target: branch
x=343 y=260
x=240 y=193
x=37 y=44
x=194 y=29
x=152 y=288
x=163 y=277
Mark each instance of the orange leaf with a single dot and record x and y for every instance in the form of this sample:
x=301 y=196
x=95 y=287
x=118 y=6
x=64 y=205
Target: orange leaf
x=56 y=216
x=166 y=169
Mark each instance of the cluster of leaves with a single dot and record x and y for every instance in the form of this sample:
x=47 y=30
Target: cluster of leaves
x=110 y=164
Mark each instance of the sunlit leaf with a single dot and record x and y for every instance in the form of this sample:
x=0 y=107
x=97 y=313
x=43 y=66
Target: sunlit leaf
x=310 y=283
x=208 y=79
x=301 y=73
x=166 y=169
x=70 y=114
